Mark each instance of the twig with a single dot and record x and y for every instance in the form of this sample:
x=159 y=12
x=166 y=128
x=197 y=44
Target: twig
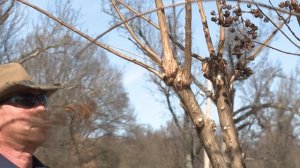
x=290 y=53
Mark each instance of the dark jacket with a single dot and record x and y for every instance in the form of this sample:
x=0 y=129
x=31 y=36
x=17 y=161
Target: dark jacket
x=5 y=163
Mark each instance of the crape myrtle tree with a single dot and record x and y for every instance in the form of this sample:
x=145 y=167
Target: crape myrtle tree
x=176 y=71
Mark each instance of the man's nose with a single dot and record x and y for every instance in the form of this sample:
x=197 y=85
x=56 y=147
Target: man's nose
x=40 y=107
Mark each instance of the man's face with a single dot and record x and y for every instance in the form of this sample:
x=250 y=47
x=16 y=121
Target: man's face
x=23 y=125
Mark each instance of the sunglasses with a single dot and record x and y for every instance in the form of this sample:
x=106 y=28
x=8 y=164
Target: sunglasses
x=27 y=100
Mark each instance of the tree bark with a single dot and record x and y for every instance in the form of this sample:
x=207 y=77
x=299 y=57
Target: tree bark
x=204 y=126
x=230 y=137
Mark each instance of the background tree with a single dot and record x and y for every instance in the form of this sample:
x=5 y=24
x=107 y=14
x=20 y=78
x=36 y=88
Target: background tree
x=92 y=107
x=273 y=118
x=11 y=22
x=175 y=70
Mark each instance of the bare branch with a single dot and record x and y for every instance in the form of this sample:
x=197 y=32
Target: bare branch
x=290 y=53
x=169 y=64
x=104 y=46
x=205 y=28
x=253 y=109
x=188 y=41
x=145 y=48
x=181 y=3
x=222 y=30
x=157 y=27
x=143 y=14
x=34 y=53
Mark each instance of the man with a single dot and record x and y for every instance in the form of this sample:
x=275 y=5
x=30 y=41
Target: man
x=23 y=119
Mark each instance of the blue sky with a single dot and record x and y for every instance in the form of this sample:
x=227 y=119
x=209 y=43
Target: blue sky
x=147 y=108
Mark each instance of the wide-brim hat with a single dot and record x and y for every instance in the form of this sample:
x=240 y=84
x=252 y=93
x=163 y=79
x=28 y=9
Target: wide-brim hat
x=14 y=79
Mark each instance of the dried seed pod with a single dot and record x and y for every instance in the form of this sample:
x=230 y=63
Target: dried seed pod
x=232 y=30
x=213 y=12
x=226 y=13
x=235 y=18
x=266 y=20
x=229 y=7
x=214 y=19
x=238 y=11
x=254 y=36
x=281 y=5
x=255 y=28
x=236 y=38
x=228 y=22
x=247 y=23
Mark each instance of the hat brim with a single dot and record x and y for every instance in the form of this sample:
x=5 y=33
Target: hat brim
x=17 y=87
x=46 y=88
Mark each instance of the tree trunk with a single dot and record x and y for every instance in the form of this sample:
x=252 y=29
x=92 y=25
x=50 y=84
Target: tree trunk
x=230 y=136
x=204 y=126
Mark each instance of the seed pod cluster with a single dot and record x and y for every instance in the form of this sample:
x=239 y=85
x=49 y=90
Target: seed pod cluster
x=227 y=18
x=257 y=13
x=289 y=5
x=232 y=17
x=243 y=72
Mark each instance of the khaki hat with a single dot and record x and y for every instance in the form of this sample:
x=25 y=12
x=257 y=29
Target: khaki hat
x=14 y=78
